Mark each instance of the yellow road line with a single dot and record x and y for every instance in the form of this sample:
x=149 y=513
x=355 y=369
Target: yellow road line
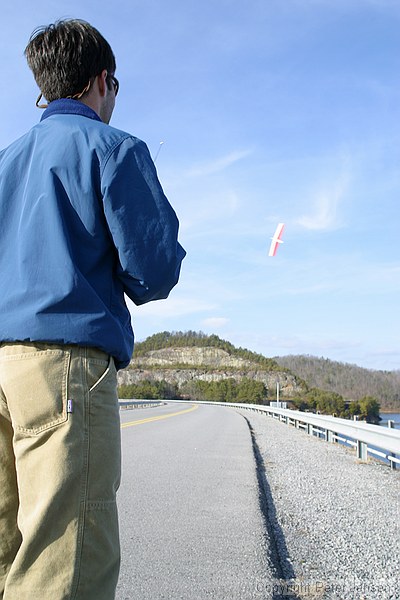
x=160 y=417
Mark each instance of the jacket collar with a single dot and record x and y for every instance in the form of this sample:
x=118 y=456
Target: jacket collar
x=68 y=106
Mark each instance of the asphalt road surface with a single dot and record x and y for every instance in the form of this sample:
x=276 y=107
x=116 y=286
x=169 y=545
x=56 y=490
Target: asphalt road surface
x=190 y=517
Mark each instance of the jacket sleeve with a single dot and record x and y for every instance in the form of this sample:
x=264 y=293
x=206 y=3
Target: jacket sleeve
x=142 y=223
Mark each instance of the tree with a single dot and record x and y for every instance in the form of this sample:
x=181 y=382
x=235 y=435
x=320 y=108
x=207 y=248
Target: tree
x=149 y=390
x=369 y=408
x=251 y=391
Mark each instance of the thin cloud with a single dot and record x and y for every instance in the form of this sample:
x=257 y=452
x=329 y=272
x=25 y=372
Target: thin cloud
x=325 y=215
x=219 y=164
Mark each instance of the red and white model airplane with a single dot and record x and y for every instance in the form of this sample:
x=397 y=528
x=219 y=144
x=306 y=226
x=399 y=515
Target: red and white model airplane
x=276 y=240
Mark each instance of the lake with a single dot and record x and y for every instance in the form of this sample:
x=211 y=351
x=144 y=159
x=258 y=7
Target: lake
x=390 y=417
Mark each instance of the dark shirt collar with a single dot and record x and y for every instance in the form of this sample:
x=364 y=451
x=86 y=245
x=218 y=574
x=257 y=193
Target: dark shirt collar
x=68 y=106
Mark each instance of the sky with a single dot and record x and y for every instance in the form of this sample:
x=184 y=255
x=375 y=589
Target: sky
x=269 y=111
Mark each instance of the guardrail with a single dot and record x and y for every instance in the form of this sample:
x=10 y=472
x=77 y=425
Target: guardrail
x=383 y=442
x=133 y=403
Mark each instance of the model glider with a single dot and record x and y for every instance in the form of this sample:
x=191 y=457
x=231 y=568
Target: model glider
x=276 y=240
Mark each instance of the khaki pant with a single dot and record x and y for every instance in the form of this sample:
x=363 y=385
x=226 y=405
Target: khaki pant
x=60 y=457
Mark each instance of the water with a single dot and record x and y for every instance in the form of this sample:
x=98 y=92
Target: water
x=390 y=417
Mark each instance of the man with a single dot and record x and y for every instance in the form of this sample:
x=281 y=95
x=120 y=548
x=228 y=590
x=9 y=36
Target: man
x=83 y=221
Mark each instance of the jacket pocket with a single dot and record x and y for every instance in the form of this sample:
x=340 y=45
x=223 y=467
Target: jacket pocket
x=35 y=385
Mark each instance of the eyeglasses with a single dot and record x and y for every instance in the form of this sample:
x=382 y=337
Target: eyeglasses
x=78 y=96
x=115 y=83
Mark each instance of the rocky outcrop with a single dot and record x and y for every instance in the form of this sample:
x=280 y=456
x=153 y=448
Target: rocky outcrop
x=180 y=366
x=208 y=356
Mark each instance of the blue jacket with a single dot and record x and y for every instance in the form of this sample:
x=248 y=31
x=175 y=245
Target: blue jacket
x=83 y=220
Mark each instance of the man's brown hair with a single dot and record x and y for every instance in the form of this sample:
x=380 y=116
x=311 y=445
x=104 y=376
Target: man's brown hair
x=65 y=56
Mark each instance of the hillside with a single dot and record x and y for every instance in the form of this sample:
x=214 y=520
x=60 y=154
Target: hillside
x=194 y=365
x=350 y=381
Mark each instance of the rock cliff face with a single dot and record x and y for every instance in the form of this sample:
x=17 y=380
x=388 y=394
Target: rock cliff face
x=182 y=365
x=208 y=356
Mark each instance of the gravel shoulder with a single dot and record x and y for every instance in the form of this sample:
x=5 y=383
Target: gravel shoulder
x=335 y=520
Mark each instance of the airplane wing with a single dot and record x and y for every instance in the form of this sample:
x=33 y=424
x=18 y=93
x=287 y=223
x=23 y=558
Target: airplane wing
x=279 y=231
x=276 y=239
x=273 y=248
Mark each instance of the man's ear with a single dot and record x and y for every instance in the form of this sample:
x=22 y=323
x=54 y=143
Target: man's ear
x=102 y=82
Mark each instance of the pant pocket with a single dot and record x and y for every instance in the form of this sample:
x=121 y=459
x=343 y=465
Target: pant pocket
x=35 y=385
x=98 y=371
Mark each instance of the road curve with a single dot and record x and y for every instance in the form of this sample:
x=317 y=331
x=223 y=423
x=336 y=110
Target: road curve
x=190 y=517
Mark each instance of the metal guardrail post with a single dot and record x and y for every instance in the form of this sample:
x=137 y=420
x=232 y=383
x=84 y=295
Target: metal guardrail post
x=393 y=465
x=330 y=436
x=362 y=450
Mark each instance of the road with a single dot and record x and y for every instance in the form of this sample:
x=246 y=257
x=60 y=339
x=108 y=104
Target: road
x=191 y=523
